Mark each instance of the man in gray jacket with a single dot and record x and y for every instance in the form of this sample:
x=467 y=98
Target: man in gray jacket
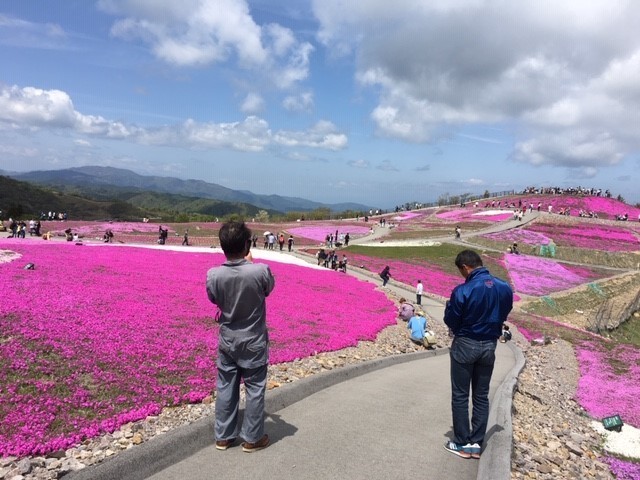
x=239 y=288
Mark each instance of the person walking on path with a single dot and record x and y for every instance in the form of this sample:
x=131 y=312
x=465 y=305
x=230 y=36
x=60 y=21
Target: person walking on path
x=419 y=291
x=185 y=238
x=239 y=289
x=290 y=242
x=474 y=314
x=385 y=275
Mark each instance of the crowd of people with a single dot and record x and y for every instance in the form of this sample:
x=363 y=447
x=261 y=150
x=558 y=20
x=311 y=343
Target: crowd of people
x=337 y=240
x=53 y=216
x=332 y=260
x=18 y=228
x=575 y=191
x=163 y=234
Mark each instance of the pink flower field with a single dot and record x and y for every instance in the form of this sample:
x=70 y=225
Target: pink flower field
x=320 y=232
x=433 y=278
x=98 y=228
x=606 y=208
x=542 y=276
x=609 y=382
x=475 y=214
x=592 y=237
x=98 y=336
x=407 y=216
x=520 y=236
x=623 y=470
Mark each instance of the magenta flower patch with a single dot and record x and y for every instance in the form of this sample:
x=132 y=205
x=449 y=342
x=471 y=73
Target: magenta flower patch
x=623 y=470
x=518 y=235
x=610 y=381
x=596 y=237
x=98 y=228
x=475 y=214
x=542 y=276
x=320 y=232
x=407 y=216
x=433 y=278
x=98 y=336
x=606 y=208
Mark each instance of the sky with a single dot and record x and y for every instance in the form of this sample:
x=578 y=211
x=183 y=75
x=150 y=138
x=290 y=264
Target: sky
x=368 y=101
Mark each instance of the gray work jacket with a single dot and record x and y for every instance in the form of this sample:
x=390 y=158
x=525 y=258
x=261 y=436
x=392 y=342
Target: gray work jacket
x=239 y=289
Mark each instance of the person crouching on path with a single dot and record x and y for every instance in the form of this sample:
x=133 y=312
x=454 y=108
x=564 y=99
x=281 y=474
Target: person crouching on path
x=406 y=310
x=239 y=289
x=474 y=314
x=417 y=326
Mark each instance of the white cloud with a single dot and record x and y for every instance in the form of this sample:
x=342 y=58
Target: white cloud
x=21 y=33
x=251 y=135
x=205 y=32
x=323 y=134
x=36 y=107
x=565 y=77
x=474 y=181
x=82 y=143
x=299 y=103
x=19 y=151
x=360 y=163
x=387 y=166
x=32 y=109
x=253 y=103
x=581 y=149
x=294 y=69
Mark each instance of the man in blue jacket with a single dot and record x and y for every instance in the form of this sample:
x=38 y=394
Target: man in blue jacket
x=474 y=314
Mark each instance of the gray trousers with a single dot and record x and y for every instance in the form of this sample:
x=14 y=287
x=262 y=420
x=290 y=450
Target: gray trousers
x=228 y=400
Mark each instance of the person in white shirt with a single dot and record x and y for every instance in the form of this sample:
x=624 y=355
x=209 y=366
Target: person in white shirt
x=419 y=290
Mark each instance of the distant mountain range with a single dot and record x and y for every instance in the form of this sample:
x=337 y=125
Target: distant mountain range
x=107 y=182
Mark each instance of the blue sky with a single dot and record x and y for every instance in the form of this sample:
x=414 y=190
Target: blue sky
x=332 y=100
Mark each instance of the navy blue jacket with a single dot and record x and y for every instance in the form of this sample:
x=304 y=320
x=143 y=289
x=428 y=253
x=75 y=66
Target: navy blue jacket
x=478 y=307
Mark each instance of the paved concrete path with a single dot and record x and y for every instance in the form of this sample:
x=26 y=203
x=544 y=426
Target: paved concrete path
x=390 y=423
x=386 y=419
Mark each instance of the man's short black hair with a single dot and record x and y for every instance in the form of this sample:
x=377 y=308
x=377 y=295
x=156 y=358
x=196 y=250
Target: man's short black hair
x=468 y=258
x=235 y=238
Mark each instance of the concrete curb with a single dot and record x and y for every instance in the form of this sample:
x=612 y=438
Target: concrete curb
x=142 y=461
x=495 y=462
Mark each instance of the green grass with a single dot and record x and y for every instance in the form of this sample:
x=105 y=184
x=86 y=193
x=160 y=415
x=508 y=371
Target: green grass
x=418 y=234
x=582 y=299
x=623 y=260
x=628 y=332
x=549 y=329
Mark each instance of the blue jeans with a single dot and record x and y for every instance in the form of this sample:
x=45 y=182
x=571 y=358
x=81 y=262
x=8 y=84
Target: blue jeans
x=471 y=367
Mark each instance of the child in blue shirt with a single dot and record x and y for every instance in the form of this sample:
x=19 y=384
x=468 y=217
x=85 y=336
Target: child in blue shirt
x=417 y=325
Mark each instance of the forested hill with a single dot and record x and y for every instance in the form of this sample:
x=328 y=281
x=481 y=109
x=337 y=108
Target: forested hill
x=92 y=180
x=25 y=200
